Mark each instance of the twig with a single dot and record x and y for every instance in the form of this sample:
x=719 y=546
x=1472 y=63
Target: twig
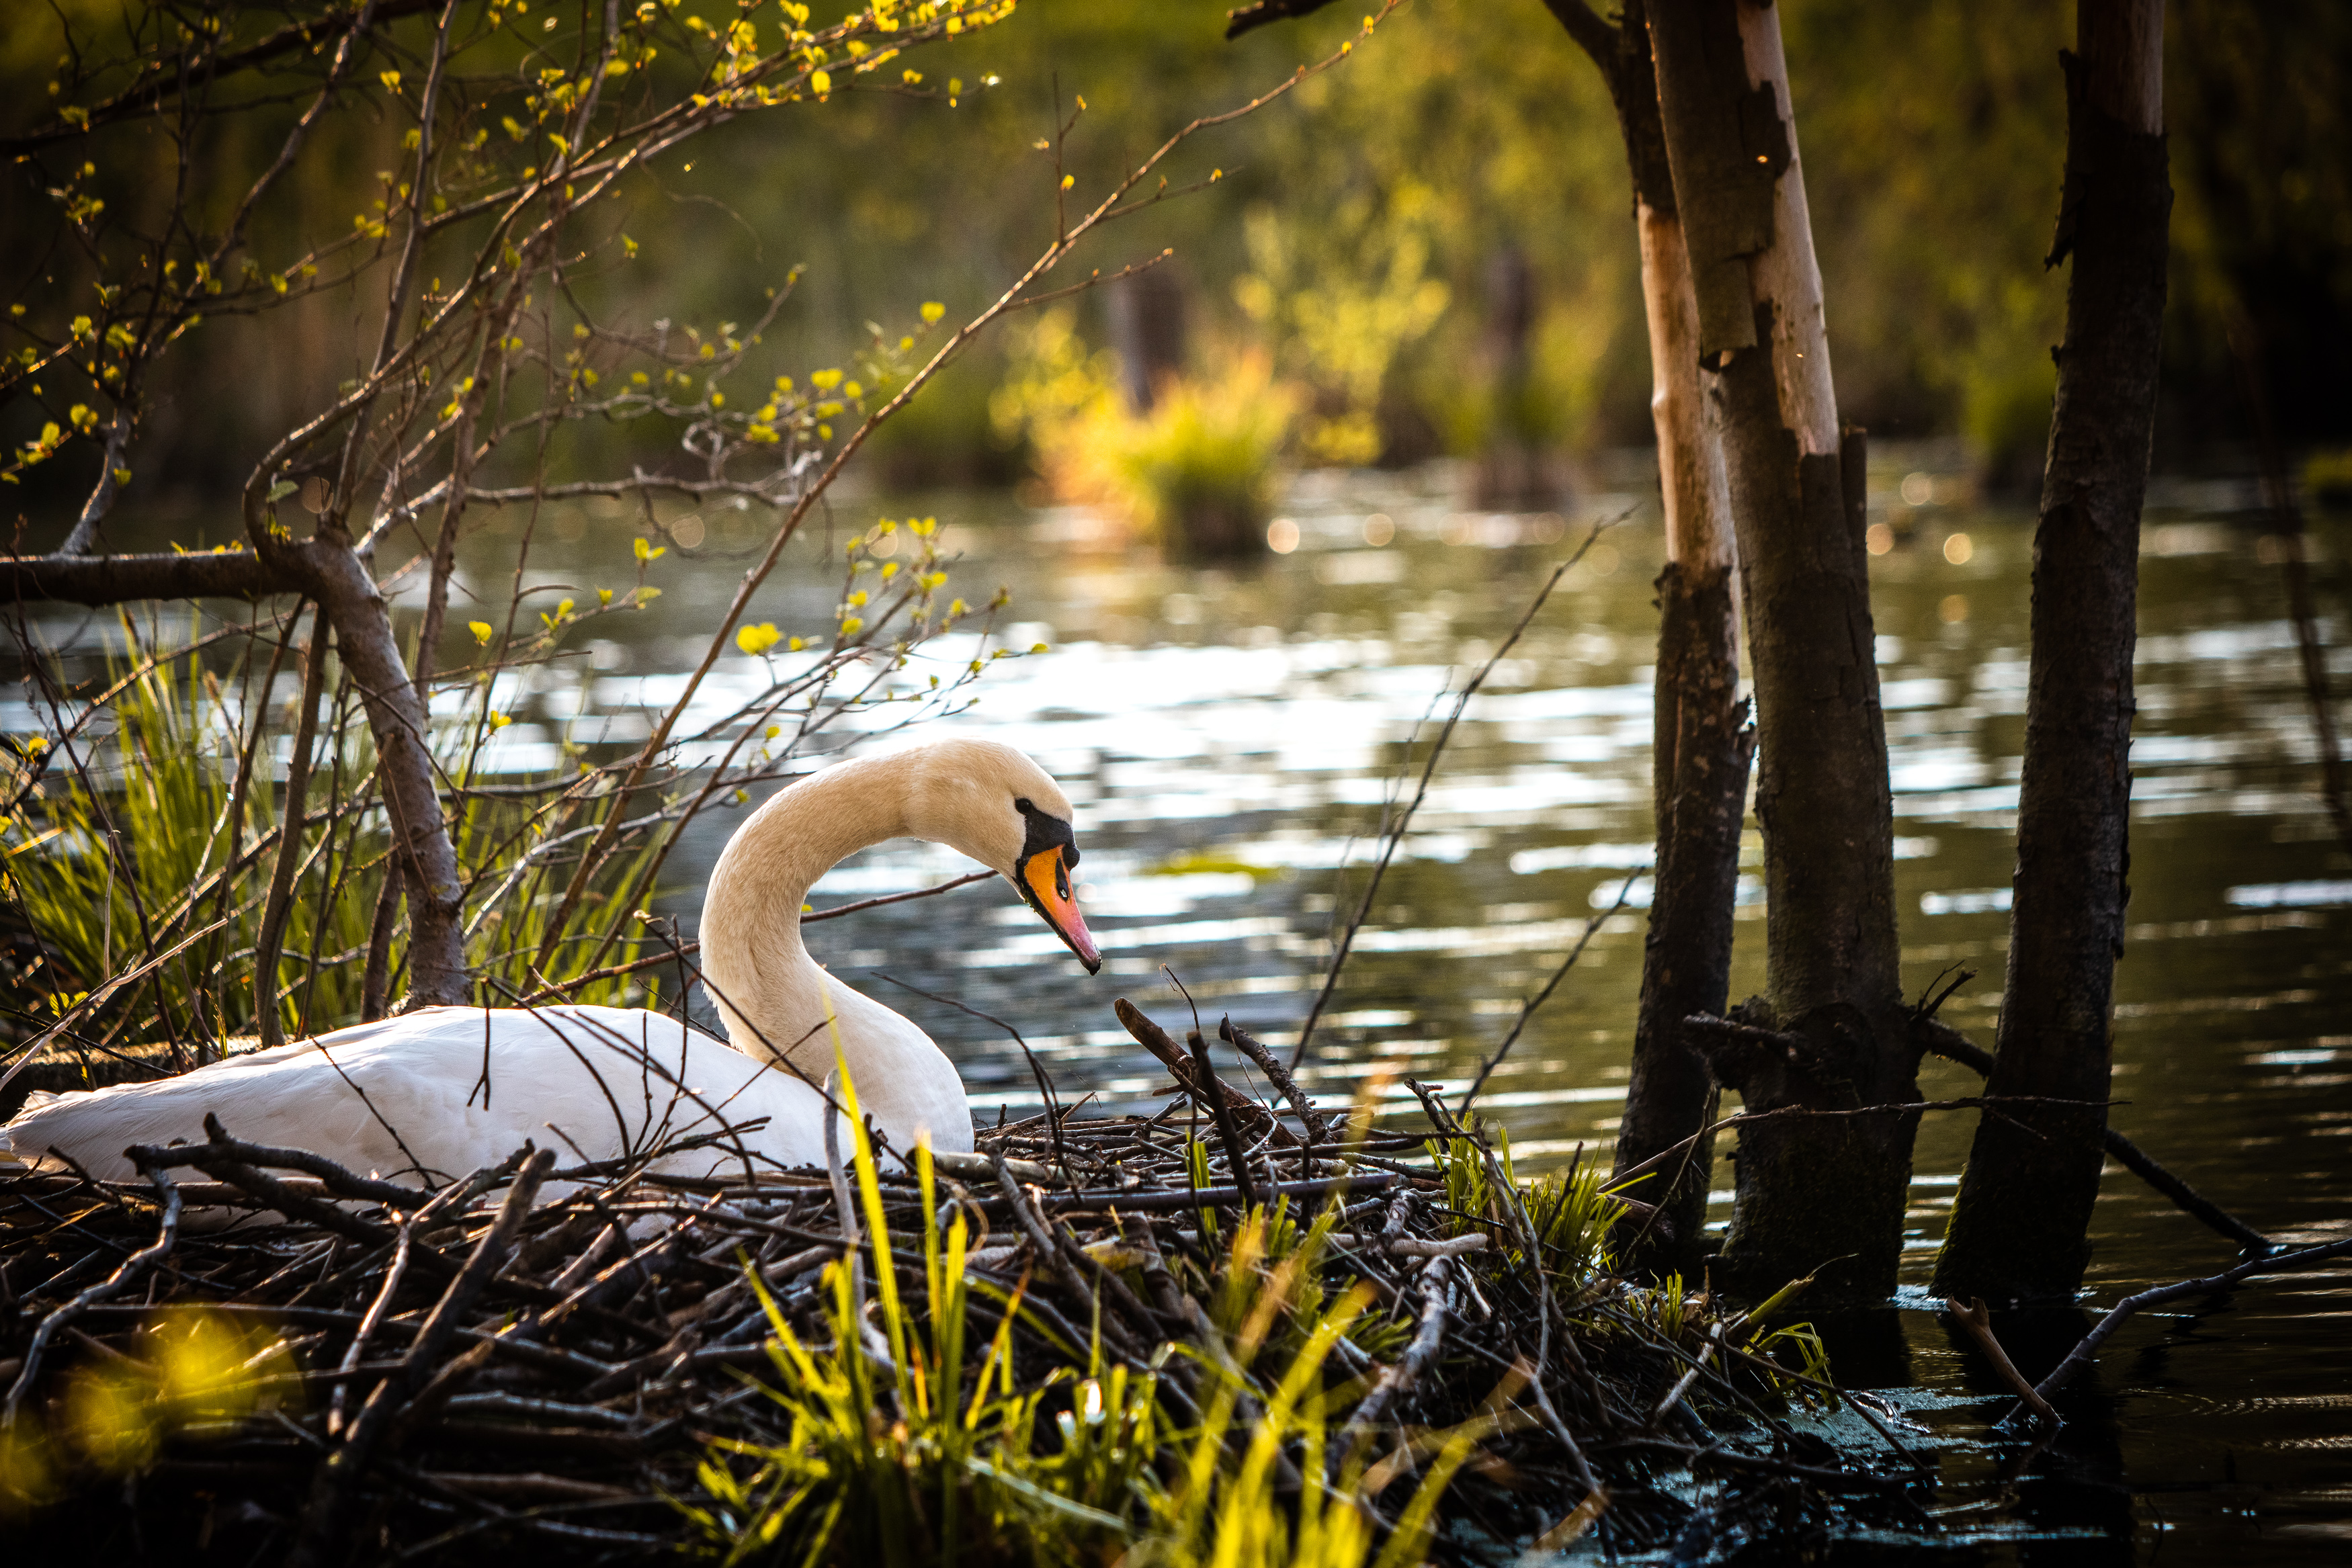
x=1974 y=1102
x=1179 y=1063
x=1036 y=1068
x=1949 y=1043
x=1249 y=1045
x=2088 y=1349
x=1681 y=1385
x=1263 y=13
x=321 y=1528
x=1182 y=1199
x=375 y=1315
x=221 y=1147
x=1401 y=1378
x=686 y=949
x=1420 y=792
x=1978 y=1323
x=131 y=1268
x=1237 y=1152
x=1544 y=995
x=99 y=997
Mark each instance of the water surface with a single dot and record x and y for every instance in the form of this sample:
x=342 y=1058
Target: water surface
x=1234 y=737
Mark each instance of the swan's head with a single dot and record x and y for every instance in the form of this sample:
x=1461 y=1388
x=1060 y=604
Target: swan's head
x=990 y=802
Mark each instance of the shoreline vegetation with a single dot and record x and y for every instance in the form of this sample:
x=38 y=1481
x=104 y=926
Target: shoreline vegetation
x=1238 y=1329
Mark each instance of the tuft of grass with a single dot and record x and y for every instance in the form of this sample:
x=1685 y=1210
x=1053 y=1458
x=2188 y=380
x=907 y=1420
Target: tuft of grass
x=896 y=1455
x=125 y=850
x=1572 y=1210
x=1198 y=468
x=889 y=1458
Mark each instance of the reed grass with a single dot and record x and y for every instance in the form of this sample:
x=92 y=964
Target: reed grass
x=159 y=825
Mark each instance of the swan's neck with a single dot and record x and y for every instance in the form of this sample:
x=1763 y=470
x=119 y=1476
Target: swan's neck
x=772 y=996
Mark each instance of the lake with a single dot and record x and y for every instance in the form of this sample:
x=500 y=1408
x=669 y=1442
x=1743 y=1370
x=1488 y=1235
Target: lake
x=1231 y=739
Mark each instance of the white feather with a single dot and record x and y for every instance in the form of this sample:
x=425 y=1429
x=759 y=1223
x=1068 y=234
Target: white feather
x=441 y=1091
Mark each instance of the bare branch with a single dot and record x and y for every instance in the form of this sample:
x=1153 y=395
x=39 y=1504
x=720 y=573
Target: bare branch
x=102 y=495
x=121 y=579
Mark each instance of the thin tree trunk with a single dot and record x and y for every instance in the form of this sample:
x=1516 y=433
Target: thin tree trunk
x=395 y=708
x=375 y=976
x=330 y=571
x=2020 y=1225
x=1700 y=759
x=271 y=940
x=1825 y=1193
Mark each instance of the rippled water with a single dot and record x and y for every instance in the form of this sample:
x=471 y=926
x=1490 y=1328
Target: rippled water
x=1232 y=737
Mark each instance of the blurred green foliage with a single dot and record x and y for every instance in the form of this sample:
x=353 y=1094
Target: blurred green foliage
x=1349 y=229
x=1194 y=471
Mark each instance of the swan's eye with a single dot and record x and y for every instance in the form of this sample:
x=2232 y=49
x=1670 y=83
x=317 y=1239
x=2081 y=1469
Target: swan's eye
x=1023 y=803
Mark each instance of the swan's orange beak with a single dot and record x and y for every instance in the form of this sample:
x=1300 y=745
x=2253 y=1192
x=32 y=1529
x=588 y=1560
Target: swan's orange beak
x=1046 y=883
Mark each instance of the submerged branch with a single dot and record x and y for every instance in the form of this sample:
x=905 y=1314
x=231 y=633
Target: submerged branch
x=1950 y=1044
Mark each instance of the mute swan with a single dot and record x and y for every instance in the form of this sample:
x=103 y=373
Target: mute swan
x=405 y=1096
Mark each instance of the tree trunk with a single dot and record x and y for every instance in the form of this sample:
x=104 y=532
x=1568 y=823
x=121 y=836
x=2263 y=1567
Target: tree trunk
x=2020 y=1225
x=1824 y=1193
x=1700 y=758
x=397 y=717
x=1148 y=330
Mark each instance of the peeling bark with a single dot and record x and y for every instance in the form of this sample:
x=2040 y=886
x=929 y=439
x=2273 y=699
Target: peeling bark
x=1825 y=1194
x=1702 y=749
x=1700 y=759
x=2020 y=1224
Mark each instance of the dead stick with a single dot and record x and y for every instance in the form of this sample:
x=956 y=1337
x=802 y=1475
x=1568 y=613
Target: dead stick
x=1162 y=1044
x=1978 y=1323
x=1950 y=1044
x=1530 y=1242
x=391 y=1195
x=2084 y=1352
x=335 y=1480
x=366 y=1331
x=1249 y=1045
x=1237 y=1152
x=1399 y=1378
x=132 y=1267
x=1051 y=1256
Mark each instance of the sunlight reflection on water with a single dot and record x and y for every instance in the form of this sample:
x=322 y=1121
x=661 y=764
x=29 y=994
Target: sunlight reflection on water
x=1264 y=725
x=1231 y=737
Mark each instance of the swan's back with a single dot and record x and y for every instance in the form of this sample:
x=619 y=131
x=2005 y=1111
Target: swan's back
x=408 y=1095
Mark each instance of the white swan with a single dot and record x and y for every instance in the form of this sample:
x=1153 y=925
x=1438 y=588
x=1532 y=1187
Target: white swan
x=405 y=1096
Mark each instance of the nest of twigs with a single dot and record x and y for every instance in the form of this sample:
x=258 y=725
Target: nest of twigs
x=260 y=1356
